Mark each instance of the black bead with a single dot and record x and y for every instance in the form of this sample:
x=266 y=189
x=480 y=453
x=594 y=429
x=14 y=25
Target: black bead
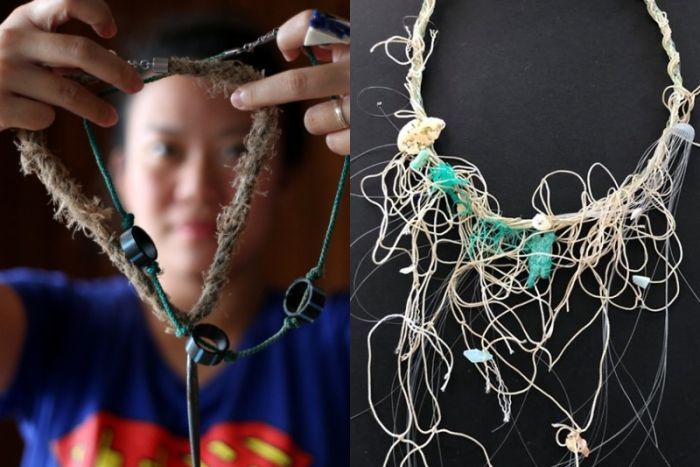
x=304 y=300
x=138 y=247
x=207 y=344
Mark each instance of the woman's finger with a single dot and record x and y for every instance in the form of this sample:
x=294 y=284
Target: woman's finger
x=18 y=112
x=290 y=37
x=331 y=53
x=294 y=85
x=63 y=50
x=323 y=118
x=45 y=86
x=323 y=54
x=49 y=14
x=339 y=142
x=340 y=52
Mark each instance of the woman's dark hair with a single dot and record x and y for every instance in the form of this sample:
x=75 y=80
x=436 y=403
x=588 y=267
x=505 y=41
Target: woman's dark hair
x=203 y=35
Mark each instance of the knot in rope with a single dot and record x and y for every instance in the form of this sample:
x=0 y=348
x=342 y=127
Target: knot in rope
x=291 y=322
x=230 y=356
x=128 y=221
x=314 y=273
x=154 y=268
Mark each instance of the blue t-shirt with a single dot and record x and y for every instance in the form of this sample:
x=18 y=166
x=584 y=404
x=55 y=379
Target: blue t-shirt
x=92 y=389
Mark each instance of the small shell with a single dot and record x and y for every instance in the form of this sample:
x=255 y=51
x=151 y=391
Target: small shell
x=541 y=222
x=575 y=443
x=419 y=133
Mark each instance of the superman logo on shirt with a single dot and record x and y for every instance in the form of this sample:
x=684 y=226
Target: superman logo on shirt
x=106 y=440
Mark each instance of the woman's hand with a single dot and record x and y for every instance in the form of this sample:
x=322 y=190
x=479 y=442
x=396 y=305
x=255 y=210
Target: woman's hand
x=31 y=52
x=312 y=82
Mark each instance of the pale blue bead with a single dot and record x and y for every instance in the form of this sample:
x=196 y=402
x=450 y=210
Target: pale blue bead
x=478 y=356
x=641 y=281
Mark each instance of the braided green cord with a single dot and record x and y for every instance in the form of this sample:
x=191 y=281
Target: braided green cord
x=112 y=89
x=309 y=52
x=127 y=223
x=180 y=329
x=316 y=272
x=290 y=322
x=127 y=218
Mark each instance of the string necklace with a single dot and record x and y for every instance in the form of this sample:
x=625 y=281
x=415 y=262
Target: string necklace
x=432 y=204
x=135 y=254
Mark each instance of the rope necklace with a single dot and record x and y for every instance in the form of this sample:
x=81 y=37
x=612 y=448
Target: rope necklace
x=432 y=204
x=135 y=254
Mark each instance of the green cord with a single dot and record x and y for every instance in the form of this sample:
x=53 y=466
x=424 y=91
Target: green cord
x=309 y=52
x=316 y=272
x=127 y=218
x=290 y=322
x=180 y=329
x=112 y=89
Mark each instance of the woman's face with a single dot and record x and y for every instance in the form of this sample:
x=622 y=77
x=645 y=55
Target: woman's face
x=175 y=175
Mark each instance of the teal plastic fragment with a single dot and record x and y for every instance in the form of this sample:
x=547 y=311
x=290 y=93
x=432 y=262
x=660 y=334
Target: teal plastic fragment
x=478 y=356
x=493 y=237
x=444 y=177
x=420 y=160
x=540 y=260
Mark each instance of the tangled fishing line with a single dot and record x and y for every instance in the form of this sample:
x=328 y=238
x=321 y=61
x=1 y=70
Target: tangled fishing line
x=438 y=213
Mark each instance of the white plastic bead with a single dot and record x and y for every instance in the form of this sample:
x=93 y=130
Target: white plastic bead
x=541 y=222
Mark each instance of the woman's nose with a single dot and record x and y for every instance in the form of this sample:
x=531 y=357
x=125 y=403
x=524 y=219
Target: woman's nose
x=198 y=179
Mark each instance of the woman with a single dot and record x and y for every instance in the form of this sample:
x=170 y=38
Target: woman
x=85 y=365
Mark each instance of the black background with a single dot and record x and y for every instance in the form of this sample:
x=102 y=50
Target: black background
x=527 y=87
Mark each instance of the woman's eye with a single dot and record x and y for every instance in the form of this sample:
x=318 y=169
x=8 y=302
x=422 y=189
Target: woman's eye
x=234 y=151
x=163 y=149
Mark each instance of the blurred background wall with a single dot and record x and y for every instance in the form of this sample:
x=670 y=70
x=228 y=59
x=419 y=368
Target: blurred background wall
x=30 y=237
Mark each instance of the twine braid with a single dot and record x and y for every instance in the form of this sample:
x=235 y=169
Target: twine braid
x=679 y=102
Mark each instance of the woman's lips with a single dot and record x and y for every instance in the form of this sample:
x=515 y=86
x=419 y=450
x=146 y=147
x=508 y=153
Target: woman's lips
x=197 y=230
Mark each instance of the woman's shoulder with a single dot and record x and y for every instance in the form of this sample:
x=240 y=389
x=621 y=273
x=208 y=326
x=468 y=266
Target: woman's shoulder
x=42 y=290
x=54 y=277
